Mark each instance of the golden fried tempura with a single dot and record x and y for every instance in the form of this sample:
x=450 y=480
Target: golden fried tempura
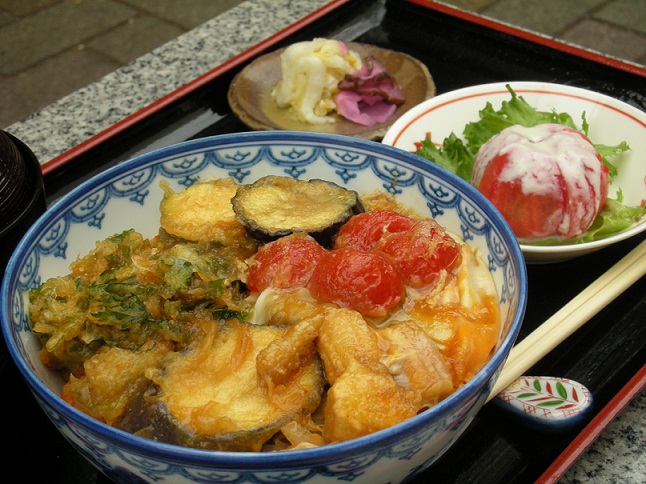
x=417 y=364
x=364 y=400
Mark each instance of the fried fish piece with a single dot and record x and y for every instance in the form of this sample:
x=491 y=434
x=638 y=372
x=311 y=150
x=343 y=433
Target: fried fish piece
x=211 y=397
x=363 y=401
x=283 y=308
x=416 y=363
x=363 y=397
x=285 y=356
x=113 y=380
x=345 y=336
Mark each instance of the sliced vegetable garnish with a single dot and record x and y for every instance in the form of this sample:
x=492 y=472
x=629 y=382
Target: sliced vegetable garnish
x=275 y=206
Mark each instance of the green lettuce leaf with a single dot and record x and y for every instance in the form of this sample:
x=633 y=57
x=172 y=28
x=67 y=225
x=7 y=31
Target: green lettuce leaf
x=454 y=155
x=609 y=152
x=516 y=111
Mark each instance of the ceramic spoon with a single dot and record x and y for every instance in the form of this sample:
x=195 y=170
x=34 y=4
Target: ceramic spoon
x=548 y=404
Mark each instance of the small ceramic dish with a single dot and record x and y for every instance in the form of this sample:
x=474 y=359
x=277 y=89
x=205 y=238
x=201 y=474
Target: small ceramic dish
x=610 y=122
x=250 y=93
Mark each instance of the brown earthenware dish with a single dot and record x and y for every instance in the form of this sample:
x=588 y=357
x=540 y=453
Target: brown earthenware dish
x=250 y=93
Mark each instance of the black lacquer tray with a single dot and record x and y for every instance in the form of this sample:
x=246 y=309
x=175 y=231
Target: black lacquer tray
x=460 y=50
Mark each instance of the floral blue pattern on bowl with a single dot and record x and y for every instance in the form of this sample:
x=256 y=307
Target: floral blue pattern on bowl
x=128 y=196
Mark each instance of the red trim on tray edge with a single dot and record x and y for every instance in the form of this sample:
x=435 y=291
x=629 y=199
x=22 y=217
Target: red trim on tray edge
x=532 y=37
x=161 y=103
x=594 y=428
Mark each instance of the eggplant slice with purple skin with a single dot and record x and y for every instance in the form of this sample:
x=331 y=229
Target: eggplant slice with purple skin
x=213 y=397
x=275 y=206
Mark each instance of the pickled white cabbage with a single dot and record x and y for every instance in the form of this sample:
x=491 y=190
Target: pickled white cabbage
x=311 y=72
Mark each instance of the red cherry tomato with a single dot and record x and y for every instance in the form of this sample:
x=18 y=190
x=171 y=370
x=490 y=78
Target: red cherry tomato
x=422 y=253
x=364 y=230
x=366 y=282
x=547 y=181
x=285 y=263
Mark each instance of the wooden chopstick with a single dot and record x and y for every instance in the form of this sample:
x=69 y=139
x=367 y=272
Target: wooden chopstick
x=572 y=316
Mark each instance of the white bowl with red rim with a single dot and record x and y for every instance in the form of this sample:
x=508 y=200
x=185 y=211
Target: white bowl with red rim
x=610 y=122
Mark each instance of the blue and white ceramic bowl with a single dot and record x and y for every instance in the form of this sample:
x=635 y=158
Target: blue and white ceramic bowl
x=128 y=196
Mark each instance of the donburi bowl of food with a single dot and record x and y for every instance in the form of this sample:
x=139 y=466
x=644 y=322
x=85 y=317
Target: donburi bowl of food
x=287 y=306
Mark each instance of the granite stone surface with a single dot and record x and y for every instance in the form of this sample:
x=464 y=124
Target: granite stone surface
x=616 y=456
x=94 y=108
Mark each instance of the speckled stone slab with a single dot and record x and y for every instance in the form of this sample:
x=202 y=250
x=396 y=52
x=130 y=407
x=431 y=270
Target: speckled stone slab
x=89 y=111
x=619 y=454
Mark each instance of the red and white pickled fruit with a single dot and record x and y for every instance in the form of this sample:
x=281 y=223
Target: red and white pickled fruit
x=548 y=181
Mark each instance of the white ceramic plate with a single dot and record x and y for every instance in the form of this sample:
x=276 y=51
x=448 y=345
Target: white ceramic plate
x=611 y=121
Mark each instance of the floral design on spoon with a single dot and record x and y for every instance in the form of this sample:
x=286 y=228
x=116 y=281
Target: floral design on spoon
x=547 y=403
